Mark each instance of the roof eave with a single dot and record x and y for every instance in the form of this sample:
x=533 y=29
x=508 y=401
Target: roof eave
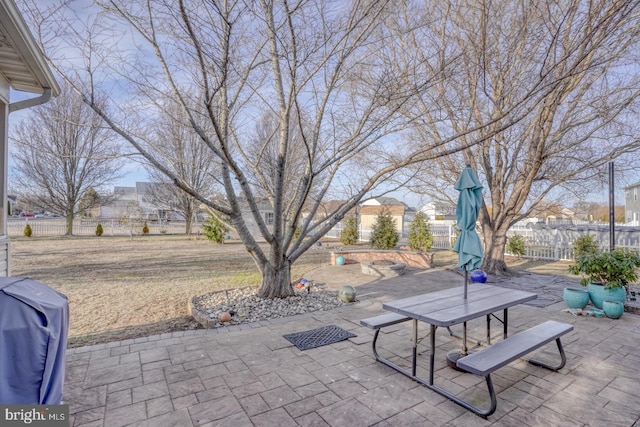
x=15 y=28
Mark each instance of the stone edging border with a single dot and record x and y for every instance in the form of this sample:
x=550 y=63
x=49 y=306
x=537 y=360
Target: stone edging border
x=373 y=269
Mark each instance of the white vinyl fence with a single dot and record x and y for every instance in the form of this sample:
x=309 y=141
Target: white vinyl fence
x=87 y=227
x=556 y=242
x=549 y=242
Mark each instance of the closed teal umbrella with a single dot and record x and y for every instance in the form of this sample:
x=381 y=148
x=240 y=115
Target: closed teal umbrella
x=468 y=245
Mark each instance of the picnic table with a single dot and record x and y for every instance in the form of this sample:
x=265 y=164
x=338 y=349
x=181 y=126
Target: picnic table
x=449 y=307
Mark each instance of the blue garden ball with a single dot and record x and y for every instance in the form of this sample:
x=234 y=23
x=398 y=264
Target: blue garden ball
x=340 y=260
x=478 y=276
x=303 y=281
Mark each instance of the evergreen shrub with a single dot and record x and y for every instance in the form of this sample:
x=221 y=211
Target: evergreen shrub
x=383 y=233
x=214 y=229
x=584 y=245
x=515 y=245
x=420 y=236
x=349 y=233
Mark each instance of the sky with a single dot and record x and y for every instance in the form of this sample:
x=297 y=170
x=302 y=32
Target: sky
x=133 y=173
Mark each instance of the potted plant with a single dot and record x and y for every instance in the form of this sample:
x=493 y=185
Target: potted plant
x=607 y=275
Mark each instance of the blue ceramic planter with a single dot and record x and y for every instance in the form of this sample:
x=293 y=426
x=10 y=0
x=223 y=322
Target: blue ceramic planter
x=597 y=294
x=576 y=297
x=613 y=309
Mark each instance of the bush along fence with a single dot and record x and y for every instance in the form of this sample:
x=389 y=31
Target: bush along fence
x=549 y=242
x=88 y=227
x=556 y=242
x=442 y=235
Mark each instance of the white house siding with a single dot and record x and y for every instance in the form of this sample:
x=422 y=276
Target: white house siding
x=632 y=204
x=4 y=257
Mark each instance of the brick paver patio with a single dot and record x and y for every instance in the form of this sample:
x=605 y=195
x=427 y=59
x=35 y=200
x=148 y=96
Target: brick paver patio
x=249 y=375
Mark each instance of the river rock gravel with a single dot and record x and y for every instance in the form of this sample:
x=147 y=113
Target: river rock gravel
x=246 y=307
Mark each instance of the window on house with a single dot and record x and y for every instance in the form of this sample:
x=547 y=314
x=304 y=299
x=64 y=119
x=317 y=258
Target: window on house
x=268 y=217
x=635 y=194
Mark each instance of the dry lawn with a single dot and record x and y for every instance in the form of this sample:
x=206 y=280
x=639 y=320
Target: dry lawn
x=121 y=288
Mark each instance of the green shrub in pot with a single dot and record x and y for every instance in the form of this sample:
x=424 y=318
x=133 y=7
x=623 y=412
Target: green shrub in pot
x=607 y=275
x=615 y=269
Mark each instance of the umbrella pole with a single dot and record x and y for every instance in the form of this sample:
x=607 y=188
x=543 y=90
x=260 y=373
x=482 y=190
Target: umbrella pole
x=463 y=351
x=454 y=355
x=466 y=277
x=464 y=325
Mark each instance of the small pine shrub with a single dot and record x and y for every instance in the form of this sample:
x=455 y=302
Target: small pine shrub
x=349 y=233
x=383 y=232
x=420 y=237
x=28 y=232
x=515 y=245
x=214 y=229
x=584 y=245
x=145 y=228
x=99 y=230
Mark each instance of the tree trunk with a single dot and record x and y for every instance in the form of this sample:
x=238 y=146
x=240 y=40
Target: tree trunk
x=69 y=218
x=188 y=222
x=494 y=244
x=276 y=281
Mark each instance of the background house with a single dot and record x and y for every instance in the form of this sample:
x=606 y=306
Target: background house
x=371 y=208
x=326 y=209
x=265 y=210
x=632 y=204
x=139 y=201
x=564 y=216
x=439 y=211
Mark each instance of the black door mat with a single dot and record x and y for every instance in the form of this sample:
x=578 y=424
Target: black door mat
x=318 y=337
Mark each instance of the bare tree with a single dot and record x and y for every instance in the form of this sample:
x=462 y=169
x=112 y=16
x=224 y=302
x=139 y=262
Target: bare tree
x=175 y=141
x=62 y=153
x=571 y=60
x=324 y=73
x=300 y=64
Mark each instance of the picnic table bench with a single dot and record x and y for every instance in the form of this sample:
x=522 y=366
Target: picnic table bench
x=494 y=357
x=379 y=322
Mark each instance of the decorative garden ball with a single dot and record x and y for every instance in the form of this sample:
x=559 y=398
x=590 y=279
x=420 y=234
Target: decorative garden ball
x=478 y=276
x=340 y=260
x=303 y=281
x=224 y=316
x=347 y=294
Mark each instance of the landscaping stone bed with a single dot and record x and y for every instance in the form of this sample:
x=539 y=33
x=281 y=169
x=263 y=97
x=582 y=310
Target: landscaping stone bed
x=248 y=308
